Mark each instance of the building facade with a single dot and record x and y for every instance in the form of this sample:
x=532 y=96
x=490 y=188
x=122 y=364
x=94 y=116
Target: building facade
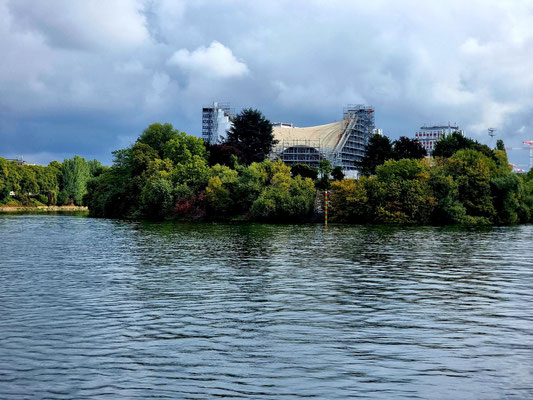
x=216 y=121
x=429 y=135
x=343 y=143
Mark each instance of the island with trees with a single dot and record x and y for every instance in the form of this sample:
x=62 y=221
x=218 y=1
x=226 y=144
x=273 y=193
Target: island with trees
x=167 y=174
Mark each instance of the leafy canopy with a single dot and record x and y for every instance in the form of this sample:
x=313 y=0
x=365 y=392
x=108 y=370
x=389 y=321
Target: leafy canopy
x=251 y=134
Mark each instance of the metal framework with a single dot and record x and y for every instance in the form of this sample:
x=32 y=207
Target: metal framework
x=298 y=151
x=210 y=120
x=358 y=127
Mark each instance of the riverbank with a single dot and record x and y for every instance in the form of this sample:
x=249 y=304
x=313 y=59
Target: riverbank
x=18 y=209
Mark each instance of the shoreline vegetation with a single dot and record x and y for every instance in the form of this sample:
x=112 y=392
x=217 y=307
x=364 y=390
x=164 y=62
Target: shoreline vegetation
x=45 y=209
x=169 y=175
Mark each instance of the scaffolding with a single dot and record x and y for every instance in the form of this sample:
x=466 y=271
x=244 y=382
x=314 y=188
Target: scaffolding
x=296 y=151
x=348 y=151
x=211 y=116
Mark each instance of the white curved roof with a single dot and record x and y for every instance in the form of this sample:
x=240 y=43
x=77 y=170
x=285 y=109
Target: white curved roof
x=329 y=134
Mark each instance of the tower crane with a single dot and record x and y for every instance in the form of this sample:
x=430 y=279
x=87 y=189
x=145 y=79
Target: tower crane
x=529 y=143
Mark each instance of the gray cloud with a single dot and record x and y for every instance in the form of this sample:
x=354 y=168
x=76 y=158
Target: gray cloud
x=87 y=77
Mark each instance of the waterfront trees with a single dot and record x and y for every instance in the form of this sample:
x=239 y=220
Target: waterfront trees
x=251 y=134
x=472 y=186
x=405 y=147
x=378 y=150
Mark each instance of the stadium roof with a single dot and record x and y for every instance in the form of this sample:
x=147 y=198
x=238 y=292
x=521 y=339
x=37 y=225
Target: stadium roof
x=329 y=134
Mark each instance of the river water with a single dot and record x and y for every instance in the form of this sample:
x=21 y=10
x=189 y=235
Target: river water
x=95 y=308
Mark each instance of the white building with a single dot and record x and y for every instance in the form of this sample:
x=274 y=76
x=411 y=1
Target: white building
x=216 y=121
x=429 y=135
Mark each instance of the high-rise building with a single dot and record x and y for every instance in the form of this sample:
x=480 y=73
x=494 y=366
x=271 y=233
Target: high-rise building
x=429 y=135
x=216 y=121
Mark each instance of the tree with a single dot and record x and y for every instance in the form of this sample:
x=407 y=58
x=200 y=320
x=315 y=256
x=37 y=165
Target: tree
x=337 y=173
x=252 y=135
x=156 y=197
x=408 y=148
x=451 y=144
x=500 y=145
x=472 y=171
x=76 y=174
x=286 y=198
x=157 y=135
x=403 y=192
x=223 y=154
x=182 y=148
x=325 y=168
x=304 y=170
x=349 y=201
x=378 y=150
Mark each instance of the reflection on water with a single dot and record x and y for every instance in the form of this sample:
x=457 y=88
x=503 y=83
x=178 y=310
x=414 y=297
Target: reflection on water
x=114 y=309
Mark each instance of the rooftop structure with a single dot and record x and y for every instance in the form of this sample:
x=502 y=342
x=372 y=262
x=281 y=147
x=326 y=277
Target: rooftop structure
x=429 y=135
x=19 y=160
x=216 y=121
x=343 y=143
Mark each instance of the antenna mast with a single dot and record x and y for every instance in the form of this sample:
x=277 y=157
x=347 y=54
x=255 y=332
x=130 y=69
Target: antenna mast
x=492 y=134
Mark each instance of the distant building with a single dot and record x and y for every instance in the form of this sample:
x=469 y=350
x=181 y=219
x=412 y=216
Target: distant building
x=216 y=121
x=429 y=135
x=343 y=143
x=20 y=161
x=282 y=125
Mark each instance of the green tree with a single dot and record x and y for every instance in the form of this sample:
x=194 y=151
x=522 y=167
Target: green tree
x=403 y=192
x=223 y=154
x=285 y=198
x=500 y=145
x=472 y=171
x=76 y=174
x=405 y=147
x=252 y=135
x=157 y=198
x=304 y=170
x=325 y=169
x=182 y=148
x=451 y=144
x=349 y=201
x=157 y=136
x=337 y=174
x=378 y=150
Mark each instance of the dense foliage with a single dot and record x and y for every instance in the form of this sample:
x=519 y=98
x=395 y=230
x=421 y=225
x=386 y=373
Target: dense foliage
x=251 y=134
x=56 y=184
x=166 y=175
x=472 y=185
x=381 y=149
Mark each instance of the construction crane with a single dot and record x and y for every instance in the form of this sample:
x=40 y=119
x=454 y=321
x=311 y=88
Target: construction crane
x=530 y=148
x=530 y=144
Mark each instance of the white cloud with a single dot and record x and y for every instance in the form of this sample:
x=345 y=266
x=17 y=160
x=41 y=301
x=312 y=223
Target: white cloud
x=215 y=61
x=113 y=66
x=87 y=24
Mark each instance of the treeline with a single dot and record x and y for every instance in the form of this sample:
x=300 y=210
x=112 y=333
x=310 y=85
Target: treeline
x=166 y=174
x=465 y=183
x=55 y=184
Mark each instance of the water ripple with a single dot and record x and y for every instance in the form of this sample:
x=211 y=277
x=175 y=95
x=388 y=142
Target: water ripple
x=113 y=309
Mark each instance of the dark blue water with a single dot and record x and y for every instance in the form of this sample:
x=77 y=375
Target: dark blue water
x=108 y=309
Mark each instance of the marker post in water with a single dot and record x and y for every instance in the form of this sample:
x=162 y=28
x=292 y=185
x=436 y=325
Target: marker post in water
x=326 y=208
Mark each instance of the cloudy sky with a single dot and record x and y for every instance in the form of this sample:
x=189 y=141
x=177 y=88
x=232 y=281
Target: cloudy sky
x=86 y=77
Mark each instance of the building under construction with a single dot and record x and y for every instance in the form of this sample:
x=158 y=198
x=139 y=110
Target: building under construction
x=343 y=143
x=216 y=120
